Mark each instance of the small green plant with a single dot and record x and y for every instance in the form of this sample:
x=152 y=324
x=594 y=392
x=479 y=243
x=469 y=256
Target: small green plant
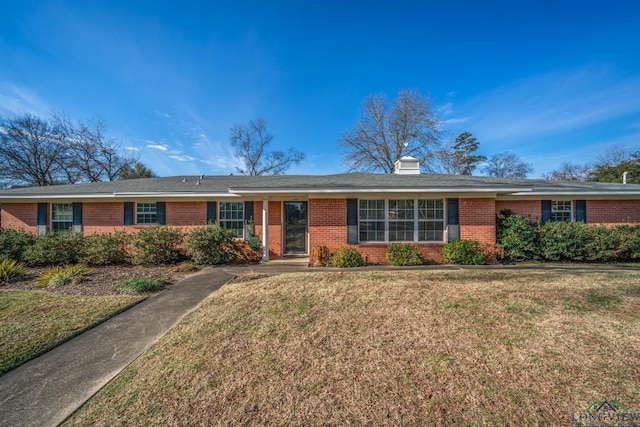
x=63 y=275
x=157 y=244
x=347 y=257
x=404 y=254
x=11 y=270
x=140 y=285
x=211 y=244
x=463 y=252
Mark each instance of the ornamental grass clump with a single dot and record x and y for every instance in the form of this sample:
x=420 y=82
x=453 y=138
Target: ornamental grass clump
x=64 y=275
x=11 y=270
x=140 y=285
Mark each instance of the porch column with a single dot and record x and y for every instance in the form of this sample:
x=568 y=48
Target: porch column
x=265 y=230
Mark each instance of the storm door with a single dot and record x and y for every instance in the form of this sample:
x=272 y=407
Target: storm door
x=295 y=228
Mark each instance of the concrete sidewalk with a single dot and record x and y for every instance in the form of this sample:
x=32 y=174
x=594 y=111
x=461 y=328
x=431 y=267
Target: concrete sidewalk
x=46 y=390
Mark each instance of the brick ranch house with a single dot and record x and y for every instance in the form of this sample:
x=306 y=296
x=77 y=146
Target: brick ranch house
x=367 y=211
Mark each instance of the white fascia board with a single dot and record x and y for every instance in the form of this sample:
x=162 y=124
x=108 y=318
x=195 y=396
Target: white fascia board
x=577 y=193
x=116 y=196
x=374 y=190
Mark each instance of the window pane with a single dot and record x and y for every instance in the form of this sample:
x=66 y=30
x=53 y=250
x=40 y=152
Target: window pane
x=561 y=210
x=61 y=212
x=371 y=209
x=146 y=213
x=372 y=231
x=401 y=231
x=431 y=231
x=232 y=217
x=400 y=209
x=431 y=209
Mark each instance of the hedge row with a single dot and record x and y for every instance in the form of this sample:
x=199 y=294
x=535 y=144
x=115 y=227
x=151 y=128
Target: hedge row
x=209 y=244
x=566 y=241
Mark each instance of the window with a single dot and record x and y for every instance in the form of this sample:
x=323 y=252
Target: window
x=372 y=220
x=232 y=217
x=61 y=216
x=403 y=220
x=561 y=211
x=146 y=213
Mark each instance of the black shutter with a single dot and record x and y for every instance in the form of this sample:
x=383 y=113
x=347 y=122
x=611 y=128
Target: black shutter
x=546 y=211
x=248 y=211
x=581 y=210
x=453 y=219
x=248 y=215
x=352 y=221
x=211 y=212
x=128 y=213
x=42 y=214
x=452 y=212
x=77 y=213
x=161 y=213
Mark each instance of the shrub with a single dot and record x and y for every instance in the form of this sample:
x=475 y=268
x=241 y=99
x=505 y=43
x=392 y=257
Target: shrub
x=347 y=257
x=13 y=243
x=517 y=236
x=140 y=285
x=11 y=270
x=157 y=244
x=463 y=252
x=404 y=254
x=106 y=249
x=211 y=244
x=56 y=248
x=60 y=276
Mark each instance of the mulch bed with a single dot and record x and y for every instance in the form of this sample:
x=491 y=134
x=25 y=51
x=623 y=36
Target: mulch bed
x=102 y=279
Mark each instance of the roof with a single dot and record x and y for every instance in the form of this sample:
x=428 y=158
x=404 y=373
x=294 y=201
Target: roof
x=231 y=185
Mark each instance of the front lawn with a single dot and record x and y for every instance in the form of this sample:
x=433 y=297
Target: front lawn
x=36 y=321
x=484 y=348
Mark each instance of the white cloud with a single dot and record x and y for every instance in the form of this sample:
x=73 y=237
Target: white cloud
x=555 y=102
x=182 y=157
x=161 y=147
x=132 y=148
x=452 y=92
x=17 y=100
x=456 y=120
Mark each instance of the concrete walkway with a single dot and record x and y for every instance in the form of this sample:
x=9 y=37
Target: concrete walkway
x=46 y=390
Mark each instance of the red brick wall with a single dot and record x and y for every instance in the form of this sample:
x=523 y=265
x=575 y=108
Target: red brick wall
x=328 y=223
x=612 y=212
x=376 y=253
x=20 y=216
x=478 y=220
x=186 y=213
x=102 y=217
x=531 y=209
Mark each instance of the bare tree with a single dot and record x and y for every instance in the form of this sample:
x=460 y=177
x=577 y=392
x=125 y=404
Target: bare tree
x=569 y=172
x=507 y=165
x=250 y=143
x=39 y=152
x=386 y=131
x=32 y=151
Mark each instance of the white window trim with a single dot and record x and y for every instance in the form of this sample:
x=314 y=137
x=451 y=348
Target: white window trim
x=571 y=210
x=416 y=223
x=221 y=221
x=52 y=221
x=136 y=213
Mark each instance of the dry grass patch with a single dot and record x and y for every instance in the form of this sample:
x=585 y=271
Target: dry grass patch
x=36 y=321
x=432 y=348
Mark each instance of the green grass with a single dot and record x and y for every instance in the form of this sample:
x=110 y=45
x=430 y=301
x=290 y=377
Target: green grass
x=36 y=321
x=439 y=348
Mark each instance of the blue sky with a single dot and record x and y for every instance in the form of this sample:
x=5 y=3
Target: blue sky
x=551 y=81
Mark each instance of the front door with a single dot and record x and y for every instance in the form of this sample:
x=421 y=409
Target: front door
x=295 y=228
